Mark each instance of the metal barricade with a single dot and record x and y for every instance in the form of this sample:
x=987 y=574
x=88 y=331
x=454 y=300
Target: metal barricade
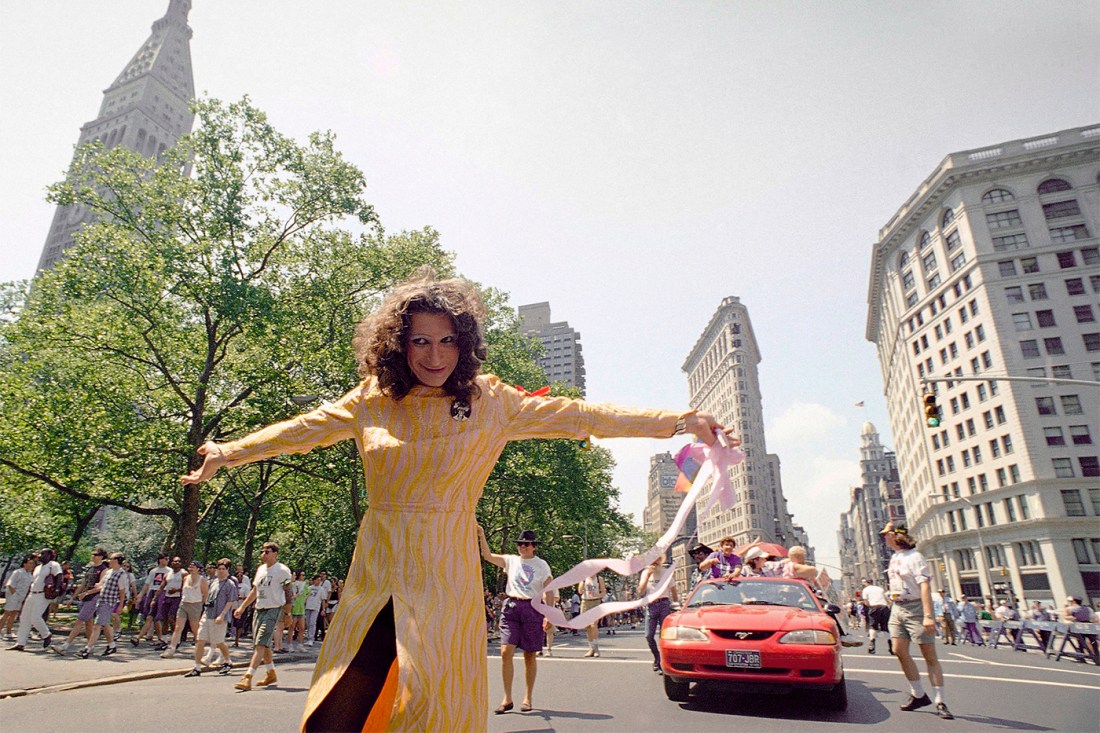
x=1041 y=632
x=1078 y=642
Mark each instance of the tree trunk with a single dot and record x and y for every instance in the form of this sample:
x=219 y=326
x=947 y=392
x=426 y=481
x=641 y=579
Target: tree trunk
x=188 y=526
x=82 y=523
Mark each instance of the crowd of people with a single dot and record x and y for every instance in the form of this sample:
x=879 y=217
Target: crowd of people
x=213 y=602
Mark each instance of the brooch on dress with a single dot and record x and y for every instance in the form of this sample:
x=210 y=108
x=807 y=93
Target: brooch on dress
x=460 y=410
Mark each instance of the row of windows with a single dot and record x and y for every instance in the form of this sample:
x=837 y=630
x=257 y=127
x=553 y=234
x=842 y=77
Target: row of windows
x=1061 y=371
x=996 y=416
x=1038 y=291
x=1081 y=548
x=1071 y=405
x=1029 y=348
x=1075 y=506
x=1066 y=260
x=1063 y=467
x=1045 y=318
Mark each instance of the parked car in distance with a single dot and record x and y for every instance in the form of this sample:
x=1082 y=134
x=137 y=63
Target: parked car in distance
x=770 y=635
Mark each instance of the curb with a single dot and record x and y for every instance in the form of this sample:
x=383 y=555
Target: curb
x=119 y=679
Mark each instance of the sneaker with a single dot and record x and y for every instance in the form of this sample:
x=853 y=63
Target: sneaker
x=195 y=672
x=83 y=654
x=309 y=643
x=208 y=660
x=168 y=653
x=596 y=650
x=225 y=669
x=161 y=646
x=47 y=641
x=110 y=650
x=590 y=653
x=943 y=712
x=134 y=641
x=245 y=684
x=16 y=648
x=656 y=666
x=269 y=679
x=60 y=650
x=916 y=702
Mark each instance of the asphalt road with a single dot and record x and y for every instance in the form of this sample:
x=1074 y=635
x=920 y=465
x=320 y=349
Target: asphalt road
x=992 y=690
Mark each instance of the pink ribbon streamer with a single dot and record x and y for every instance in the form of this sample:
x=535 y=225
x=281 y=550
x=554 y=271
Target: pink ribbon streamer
x=715 y=461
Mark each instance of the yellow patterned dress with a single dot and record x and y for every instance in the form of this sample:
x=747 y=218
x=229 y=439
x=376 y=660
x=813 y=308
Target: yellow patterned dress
x=425 y=472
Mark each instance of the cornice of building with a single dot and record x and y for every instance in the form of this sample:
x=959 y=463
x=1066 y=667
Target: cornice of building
x=728 y=304
x=1014 y=157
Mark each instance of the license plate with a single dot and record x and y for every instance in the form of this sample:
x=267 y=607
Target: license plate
x=742 y=660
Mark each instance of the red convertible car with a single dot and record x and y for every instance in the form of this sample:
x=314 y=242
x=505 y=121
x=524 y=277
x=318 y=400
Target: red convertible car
x=756 y=634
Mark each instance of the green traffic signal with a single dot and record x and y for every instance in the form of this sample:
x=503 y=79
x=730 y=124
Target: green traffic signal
x=933 y=422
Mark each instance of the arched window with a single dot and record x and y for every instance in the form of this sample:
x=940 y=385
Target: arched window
x=1054 y=185
x=925 y=239
x=903 y=259
x=997 y=195
x=948 y=218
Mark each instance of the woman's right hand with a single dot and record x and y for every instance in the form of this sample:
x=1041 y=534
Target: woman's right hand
x=214 y=460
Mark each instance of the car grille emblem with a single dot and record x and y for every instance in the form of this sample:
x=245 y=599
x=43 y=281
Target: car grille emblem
x=743 y=634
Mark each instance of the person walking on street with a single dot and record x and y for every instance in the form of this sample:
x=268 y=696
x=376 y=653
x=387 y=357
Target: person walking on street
x=86 y=593
x=313 y=608
x=947 y=620
x=44 y=580
x=968 y=612
x=110 y=591
x=592 y=590
x=912 y=618
x=148 y=601
x=221 y=598
x=520 y=625
x=874 y=600
x=244 y=585
x=15 y=593
x=271 y=593
x=193 y=594
x=657 y=610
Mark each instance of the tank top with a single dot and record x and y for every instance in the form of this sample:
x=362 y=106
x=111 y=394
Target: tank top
x=592 y=589
x=191 y=593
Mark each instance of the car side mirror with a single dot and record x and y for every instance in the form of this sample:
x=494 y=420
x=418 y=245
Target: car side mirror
x=832 y=608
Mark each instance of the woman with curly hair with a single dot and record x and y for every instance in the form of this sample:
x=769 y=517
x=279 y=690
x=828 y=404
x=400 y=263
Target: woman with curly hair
x=407 y=650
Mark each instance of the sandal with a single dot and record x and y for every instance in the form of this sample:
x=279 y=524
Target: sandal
x=504 y=707
x=525 y=707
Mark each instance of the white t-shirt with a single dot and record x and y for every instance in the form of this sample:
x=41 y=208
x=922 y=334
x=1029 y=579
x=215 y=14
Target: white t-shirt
x=154 y=579
x=43 y=571
x=313 y=600
x=592 y=589
x=873 y=595
x=908 y=570
x=269 y=585
x=20 y=582
x=243 y=586
x=525 y=577
x=326 y=589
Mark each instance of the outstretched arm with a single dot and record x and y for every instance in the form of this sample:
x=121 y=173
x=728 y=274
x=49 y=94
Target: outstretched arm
x=326 y=425
x=487 y=554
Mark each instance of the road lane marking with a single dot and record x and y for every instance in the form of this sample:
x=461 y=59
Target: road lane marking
x=983 y=677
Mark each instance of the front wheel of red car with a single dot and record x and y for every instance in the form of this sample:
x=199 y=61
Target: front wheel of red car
x=837 y=698
x=677 y=691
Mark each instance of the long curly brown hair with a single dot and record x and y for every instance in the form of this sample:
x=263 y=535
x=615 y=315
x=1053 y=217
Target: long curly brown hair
x=379 y=342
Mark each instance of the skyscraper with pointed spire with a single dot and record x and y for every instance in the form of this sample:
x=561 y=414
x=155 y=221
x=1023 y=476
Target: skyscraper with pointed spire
x=146 y=109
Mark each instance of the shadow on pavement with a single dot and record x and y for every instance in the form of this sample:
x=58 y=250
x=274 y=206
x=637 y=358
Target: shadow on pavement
x=863 y=707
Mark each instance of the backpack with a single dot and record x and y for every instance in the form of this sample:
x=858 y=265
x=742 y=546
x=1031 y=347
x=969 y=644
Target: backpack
x=54 y=586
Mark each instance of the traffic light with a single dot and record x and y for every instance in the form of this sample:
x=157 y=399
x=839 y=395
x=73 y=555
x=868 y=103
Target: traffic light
x=931 y=410
x=1004 y=571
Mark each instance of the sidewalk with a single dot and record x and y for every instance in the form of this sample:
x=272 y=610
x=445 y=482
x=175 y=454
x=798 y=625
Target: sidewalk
x=40 y=670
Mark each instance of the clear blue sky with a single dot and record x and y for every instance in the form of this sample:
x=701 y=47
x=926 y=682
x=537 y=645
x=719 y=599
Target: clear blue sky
x=630 y=162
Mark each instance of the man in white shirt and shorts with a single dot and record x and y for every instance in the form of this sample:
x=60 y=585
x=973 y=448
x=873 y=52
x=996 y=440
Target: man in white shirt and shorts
x=271 y=593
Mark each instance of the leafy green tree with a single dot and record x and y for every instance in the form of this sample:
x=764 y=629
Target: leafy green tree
x=210 y=287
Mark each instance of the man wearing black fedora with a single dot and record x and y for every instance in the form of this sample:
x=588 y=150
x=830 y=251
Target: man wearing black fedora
x=520 y=624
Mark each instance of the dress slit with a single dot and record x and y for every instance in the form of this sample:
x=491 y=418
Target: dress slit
x=362 y=699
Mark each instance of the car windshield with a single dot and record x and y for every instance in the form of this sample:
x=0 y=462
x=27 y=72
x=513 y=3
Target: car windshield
x=753 y=593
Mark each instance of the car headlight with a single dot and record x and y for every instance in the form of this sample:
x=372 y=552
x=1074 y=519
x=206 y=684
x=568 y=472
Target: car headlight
x=807 y=636
x=683 y=633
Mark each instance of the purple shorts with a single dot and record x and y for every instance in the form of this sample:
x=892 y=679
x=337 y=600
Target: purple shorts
x=168 y=607
x=103 y=614
x=521 y=625
x=87 y=608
